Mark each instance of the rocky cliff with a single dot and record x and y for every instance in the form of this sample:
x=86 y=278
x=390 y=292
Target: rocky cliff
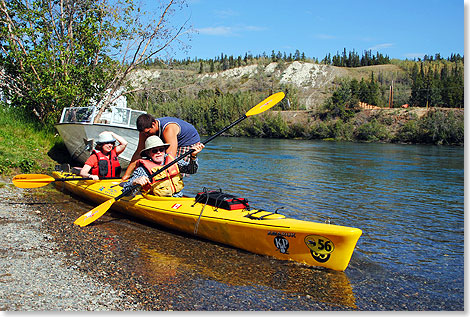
x=312 y=81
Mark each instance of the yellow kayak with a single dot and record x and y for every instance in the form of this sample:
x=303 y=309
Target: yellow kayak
x=254 y=230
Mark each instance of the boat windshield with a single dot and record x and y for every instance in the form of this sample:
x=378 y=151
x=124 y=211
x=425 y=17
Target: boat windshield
x=118 y=116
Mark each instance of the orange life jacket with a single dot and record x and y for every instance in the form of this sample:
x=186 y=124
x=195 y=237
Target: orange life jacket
x=107 y=166
x=167 y=182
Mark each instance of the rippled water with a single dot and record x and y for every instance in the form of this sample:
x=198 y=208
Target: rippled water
x=407 y=199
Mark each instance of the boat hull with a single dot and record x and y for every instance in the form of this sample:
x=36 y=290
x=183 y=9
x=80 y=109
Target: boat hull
x=256 y=231
x=79 y=140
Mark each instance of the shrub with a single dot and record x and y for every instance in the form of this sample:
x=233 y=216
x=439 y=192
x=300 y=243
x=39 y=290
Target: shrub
x=297 y=130
x=409 y=132
x=320 y=130
x=372 y=131
x=341 y=130
x=26 y=165
x=442 y=127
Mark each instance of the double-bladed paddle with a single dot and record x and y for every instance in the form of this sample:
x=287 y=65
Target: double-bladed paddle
x=40 y=180
x=98 y=211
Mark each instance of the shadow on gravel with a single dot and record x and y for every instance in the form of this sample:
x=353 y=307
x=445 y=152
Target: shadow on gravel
x=60 y=154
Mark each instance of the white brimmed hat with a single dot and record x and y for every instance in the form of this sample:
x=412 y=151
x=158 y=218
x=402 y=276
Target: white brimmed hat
x=105 y=137
x=152 y=142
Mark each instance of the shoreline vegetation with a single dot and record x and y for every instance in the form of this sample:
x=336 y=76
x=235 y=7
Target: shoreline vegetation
x=91 y=56
x=29 y=147
x=411 y=125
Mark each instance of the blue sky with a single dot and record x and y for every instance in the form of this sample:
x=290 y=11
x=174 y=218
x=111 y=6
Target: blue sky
x=399 y=29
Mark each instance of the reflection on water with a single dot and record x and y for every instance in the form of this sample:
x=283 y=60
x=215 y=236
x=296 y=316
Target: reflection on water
x=177 y=259
x=408 y=200
x=396 y=193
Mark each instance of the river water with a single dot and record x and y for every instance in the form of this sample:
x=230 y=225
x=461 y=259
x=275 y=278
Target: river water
x=407 y=199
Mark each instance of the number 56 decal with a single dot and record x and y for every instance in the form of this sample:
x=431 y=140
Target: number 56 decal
x=320 y=247
x=319 y=244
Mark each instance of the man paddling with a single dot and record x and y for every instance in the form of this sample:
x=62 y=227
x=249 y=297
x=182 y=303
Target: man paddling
x=170 y=181
x=179 y=134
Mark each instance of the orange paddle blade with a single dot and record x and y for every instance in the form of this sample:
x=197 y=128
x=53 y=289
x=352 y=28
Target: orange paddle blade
x=266 y=104
x=32 y=180
x=95 y=213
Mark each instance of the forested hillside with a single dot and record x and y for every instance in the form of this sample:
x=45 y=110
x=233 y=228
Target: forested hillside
x=375 y=80
x=329 y=100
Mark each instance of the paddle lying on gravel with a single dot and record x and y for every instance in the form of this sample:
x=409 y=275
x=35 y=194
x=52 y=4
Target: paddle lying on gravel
x=40 y=180
x=98 y=211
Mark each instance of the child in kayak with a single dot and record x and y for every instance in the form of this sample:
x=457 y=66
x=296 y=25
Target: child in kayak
x=169 y=183
x=103 y=162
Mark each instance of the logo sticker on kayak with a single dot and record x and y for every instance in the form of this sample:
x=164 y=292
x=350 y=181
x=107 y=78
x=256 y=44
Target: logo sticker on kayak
x=108 y=191
x=176 y=206
x=282 y=244
x=320 y=247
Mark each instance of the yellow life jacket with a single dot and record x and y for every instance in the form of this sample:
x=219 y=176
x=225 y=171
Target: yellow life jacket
x=167 y=182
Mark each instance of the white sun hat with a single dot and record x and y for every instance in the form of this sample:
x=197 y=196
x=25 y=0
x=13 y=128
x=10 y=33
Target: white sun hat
x=105 y=137
x=153 y=142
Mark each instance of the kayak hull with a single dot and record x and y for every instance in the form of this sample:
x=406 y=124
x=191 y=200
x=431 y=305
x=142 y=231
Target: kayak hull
x=256 y=231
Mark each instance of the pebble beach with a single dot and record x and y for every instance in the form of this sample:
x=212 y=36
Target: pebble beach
x=117 y=264
x=33 y=273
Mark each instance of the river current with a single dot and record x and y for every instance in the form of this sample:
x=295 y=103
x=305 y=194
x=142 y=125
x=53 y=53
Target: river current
x=407 y=199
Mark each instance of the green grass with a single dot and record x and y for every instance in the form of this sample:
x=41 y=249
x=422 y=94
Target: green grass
x=27 y=147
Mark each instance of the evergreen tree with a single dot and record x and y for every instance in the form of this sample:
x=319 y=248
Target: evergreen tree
x=201 y=68
x=212 y=66
x=297 y=55
x=224 y=62
x=417 y=86
x=355 y=92
x=374 y=91
x=363 y=91
x=455 y=87
x=434 y=88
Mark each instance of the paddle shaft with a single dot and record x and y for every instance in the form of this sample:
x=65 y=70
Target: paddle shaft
x=72 y=179
x=224 y=129
x=81 y=179
x=179 y=158
x=98 y=211
x=40 y=180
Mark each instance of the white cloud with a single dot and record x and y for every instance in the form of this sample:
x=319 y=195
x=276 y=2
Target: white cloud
x=226 y=13
x=380 y=46
x=229 y=30
x=218 y=30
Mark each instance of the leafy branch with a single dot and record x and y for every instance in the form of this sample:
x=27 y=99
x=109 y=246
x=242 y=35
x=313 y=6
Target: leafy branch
x=57 y=54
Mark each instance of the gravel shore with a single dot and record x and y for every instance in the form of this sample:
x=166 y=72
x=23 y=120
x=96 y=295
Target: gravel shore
x=120 y=264
x=33 y=274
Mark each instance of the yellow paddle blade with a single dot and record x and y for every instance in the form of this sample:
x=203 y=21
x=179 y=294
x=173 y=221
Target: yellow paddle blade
x=266 y=104
x=32 y=180
x=94 y=214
